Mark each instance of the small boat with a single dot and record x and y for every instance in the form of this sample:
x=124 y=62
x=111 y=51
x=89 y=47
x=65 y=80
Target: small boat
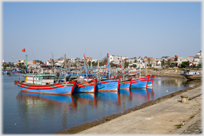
x=151 y=81
x=86 y=87
x=140 y=82
x=125 y=85
x=192 y=75
x=44 y=84
x=108 y=85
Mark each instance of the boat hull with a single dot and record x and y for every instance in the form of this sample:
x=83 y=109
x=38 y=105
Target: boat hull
x=86 y=87
x=150 y=81
x=125 y=85
x=109 y=85
x=139 y=82
x=55 y=89
x=193 y=77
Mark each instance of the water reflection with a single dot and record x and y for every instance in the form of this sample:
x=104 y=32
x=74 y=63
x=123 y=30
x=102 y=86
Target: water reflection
x=46 y=100
x=141 y=95
x=151 y=93
x=112 y=98
x=86 y=98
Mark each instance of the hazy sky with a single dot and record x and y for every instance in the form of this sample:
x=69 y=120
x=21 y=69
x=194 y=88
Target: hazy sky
x=131 y=29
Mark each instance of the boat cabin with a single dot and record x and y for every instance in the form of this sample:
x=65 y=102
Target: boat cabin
x=39 y=79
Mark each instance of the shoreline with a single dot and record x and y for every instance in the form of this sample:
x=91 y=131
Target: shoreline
x=86 y=126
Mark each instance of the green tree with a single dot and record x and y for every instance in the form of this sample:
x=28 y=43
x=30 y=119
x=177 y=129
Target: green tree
x=185 y=64
x=126 y=64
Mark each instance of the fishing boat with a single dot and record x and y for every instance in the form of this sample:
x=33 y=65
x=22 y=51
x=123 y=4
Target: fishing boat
x=86 y=87
x=192 y=75
x=125 y=85
x=151 y=81
x=108 y=85
x=45 y=84
x=140 y=82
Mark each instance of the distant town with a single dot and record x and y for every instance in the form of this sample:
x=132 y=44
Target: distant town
x=116 y=61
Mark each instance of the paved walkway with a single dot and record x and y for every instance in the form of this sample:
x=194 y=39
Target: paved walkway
x=161 y=118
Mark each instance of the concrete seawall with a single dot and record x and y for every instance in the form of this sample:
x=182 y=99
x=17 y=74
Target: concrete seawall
x=161 y=118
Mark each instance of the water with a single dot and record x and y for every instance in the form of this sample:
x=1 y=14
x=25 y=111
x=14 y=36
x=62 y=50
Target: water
x=29 y=113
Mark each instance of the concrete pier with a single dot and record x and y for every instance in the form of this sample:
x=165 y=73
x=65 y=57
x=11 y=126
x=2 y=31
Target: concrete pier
x=161 y=118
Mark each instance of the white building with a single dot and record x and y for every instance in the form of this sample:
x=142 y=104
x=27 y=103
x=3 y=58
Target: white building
x=115 y=59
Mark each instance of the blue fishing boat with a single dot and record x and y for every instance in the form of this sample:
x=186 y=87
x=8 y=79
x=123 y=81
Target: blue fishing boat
x=150 y=81
x=86 y=87
x=125 y=85
x=110 y=84
x=44 y=84
x=139 y=82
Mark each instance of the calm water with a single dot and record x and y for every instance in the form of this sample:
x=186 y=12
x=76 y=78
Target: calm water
x=28 y=113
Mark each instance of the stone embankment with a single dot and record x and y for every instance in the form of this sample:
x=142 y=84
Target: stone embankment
x=166 y=72
x=170 y=116
x=161 y=116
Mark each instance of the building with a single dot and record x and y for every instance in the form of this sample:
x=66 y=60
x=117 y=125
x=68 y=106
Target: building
x=115 y=59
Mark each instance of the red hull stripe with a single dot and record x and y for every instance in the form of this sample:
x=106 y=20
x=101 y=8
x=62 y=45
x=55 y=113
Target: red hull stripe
x=85 y=85
x=46 y=93
x=107 y=82
x=43 y=87
x=53 y=85
x=124 y=83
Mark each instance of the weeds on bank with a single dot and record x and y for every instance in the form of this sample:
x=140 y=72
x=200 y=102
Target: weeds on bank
x=179 y=126
x=192 y=117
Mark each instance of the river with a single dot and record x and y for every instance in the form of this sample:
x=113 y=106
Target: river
x=29 y=113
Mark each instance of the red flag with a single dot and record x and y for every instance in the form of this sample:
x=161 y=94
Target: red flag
x=107 y=55
x=23 y=50
x=84 y=55
x=34 y=62
x=106 y=63
x=121 y=66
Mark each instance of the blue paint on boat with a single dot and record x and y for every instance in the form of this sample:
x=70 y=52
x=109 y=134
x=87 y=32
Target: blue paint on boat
x=84 y=89
x=109 y=84
x=60 y=90
x=139 y=82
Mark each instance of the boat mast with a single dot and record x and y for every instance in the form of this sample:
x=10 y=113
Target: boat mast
x=108 y=65
x=26 y=63
x=65 y=70
x=85 y=67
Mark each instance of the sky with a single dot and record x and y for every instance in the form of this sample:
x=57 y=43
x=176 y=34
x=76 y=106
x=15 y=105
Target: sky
x=131 y=29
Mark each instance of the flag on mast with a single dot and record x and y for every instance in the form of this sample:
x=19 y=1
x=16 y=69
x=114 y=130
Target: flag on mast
x=23 y=50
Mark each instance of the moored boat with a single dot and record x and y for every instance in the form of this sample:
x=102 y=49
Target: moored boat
x=125 y=85
x=44 y=84
x=192 y=75
x=86 y=87
x=151 y=81
x=108 y=85
x=140 y=82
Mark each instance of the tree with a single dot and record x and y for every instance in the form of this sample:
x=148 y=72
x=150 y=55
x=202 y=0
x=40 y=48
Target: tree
x=126 y=64
x=185 y=64
x=134 y=66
